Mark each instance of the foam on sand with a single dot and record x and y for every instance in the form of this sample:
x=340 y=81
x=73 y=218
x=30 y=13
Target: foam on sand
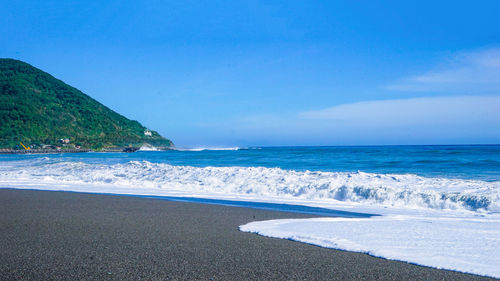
x=467 y=244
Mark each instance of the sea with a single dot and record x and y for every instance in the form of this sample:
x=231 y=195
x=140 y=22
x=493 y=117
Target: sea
x=436 y=205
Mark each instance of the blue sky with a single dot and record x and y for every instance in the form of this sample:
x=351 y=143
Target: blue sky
x=243 y=73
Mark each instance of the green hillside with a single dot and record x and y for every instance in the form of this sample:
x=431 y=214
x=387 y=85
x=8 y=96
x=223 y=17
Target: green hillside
x=36 y=109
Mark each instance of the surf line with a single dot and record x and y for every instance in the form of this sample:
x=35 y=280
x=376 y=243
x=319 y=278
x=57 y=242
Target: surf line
x=280 y=207
x=262 y=206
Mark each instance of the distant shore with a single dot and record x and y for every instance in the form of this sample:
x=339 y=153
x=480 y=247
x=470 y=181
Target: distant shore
x=47 y=151
x=76 y=236
x=39 y=151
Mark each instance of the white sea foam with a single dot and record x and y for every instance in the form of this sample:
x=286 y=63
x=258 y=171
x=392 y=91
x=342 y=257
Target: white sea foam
x=384 y=190
x=148 y=147
x=209 y=148
x=467 y=244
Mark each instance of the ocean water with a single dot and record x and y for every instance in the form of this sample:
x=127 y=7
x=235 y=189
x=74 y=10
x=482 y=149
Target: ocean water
x=435 y=177
x=438 y=205
x=481 y=162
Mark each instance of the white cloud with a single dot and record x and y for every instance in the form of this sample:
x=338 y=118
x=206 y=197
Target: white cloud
x=429 y=120
x=472 y=117
x=462 y=110
x=468 y=72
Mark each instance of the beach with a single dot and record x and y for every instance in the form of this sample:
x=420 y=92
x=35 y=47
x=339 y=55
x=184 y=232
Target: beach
x=49 y=235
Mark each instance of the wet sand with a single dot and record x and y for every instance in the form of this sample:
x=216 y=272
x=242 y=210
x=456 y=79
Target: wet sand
x=76 y=236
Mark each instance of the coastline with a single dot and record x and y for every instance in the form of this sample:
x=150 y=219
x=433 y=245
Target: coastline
x=51 y=151
x=68 y=235
x=41 y=151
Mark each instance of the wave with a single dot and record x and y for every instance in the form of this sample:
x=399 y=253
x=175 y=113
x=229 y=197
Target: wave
x=148 y=147
x=406 y=190
x=19 y=163
x=210 y=148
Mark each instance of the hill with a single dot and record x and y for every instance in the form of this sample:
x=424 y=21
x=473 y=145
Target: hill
x=37 y=109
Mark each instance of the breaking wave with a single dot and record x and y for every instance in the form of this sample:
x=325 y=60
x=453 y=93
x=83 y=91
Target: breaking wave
x=400 y=190
x=148 y=147
x=209 y=148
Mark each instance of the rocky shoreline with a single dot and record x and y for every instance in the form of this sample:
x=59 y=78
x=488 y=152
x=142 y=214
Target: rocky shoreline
x=37 y=151
x=47 y=151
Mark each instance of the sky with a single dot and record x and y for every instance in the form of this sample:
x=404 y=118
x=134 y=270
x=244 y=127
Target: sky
x=272 y=73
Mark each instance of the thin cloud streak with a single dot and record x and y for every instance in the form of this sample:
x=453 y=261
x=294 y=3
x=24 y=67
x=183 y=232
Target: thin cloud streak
x=468 y=72
x=413 y=111
x=425 y=120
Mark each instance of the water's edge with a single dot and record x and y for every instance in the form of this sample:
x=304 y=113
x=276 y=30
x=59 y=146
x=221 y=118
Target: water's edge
x=301 y=209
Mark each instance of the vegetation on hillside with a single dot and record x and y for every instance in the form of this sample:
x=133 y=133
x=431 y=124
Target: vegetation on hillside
x=36 y=109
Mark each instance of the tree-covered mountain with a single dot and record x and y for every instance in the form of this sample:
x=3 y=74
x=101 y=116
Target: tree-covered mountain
x=36 y=109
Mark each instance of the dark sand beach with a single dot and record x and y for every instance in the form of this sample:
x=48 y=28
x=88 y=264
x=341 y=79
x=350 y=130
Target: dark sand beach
x=74 y=236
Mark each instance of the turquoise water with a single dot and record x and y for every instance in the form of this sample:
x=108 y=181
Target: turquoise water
x=429 y=177
x=462 y=162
